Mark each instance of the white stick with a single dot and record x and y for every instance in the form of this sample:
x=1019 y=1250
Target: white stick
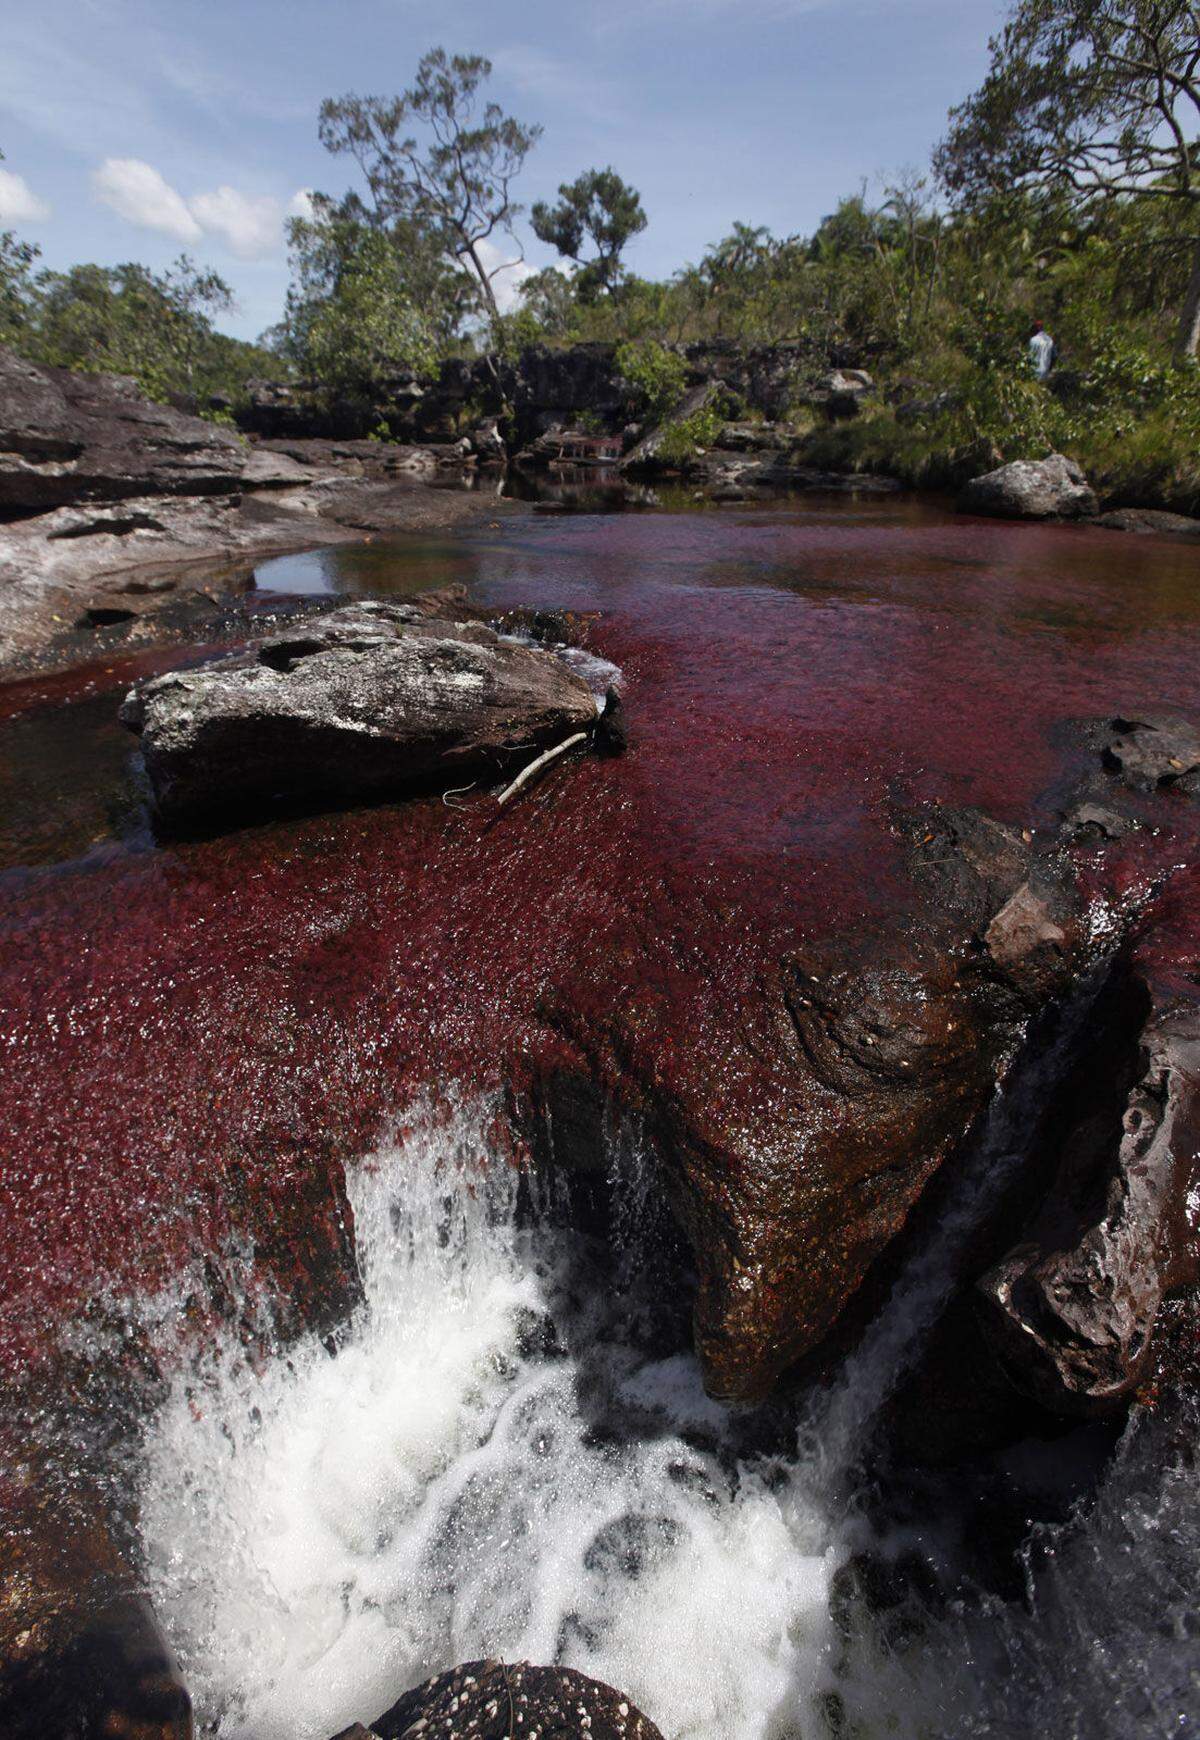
x=547 y=756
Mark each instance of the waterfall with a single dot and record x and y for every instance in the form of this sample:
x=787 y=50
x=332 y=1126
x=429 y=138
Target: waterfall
x=506 y=1454
x=494 y=1461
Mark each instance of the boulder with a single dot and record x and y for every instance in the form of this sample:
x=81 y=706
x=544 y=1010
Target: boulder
x=369 y=700
x=491 y=1700
x=1031 y=489
x=1151 y=521
x=67 y=437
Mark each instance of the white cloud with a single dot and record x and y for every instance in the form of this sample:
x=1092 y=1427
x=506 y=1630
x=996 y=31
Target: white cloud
x=250 y=226
x=138 y=193
x=18 y=202
x=510 y=275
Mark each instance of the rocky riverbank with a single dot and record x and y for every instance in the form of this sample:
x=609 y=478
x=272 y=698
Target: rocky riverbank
x=124 y=522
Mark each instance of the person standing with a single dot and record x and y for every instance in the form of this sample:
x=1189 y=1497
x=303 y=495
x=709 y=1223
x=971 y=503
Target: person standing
x=1042 y=351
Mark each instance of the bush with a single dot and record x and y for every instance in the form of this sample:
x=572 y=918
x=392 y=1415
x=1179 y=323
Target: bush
x=658 y=377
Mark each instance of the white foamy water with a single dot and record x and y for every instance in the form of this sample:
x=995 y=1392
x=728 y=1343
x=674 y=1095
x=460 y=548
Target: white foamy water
x=500 y=1459
x=489 y=1465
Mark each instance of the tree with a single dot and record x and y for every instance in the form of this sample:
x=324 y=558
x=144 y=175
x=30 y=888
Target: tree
x=598 y=208
x=16 y=283
x=351 y=321
x=549 y=296
x=341 y=238
x=456 y=182
x=1099 y=99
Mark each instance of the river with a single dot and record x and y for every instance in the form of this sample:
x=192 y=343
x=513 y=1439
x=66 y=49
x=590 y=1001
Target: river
x=493 y=1438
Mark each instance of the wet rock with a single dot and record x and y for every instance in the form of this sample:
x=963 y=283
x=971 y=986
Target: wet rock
x=1024 y=939
x=1031 y=489
x=371 y=700
x=1088 y=822
x=1150 y=753
x=492 y=1700
x=1150 y=521
x=612 y=730
x=1071 y=1310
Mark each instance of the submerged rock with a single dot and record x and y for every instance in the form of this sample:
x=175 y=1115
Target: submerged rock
x=491 y=1700
x=373 y=699
x=1150 y=521
x=1032 y=489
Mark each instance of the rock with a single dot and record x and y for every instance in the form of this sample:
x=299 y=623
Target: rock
x=1154 y=521
x=1031 y=489
x=67 y=437
x=370 y=700
x=1071 y=1310
x=758 y=437
x=1150 y=753
x=1089 y=822
x=841 y=392
x=491 y=1700
x=1023 y=934
x=612 y=732
x=487 y=443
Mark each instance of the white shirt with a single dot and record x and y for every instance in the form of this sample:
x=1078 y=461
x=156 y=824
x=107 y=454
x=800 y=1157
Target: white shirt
x=1041 y=354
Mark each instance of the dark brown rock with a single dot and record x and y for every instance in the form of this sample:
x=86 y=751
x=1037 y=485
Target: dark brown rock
x=492 y=1700
x=365 y=701
x=1071 y=1310
x=68 y=437
x=1150 y=521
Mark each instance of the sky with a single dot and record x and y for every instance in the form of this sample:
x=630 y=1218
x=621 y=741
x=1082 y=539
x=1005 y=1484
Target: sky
x=137 y=129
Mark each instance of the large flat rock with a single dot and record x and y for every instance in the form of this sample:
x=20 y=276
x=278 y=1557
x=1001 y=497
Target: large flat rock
x=366 y=701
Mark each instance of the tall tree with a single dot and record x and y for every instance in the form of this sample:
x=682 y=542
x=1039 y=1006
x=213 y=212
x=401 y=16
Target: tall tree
x=1097 y=98
x=457 y=180
x=597 y=208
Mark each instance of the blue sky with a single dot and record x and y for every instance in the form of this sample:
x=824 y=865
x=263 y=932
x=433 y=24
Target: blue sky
x=135 y=128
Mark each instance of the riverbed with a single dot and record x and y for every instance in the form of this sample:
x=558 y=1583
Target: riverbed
x=406 y=1410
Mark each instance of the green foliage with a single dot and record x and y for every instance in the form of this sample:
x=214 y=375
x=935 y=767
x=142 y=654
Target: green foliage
x=128 y=320
x=365 y=331
x=1087 y=101
x=683 y=439
x=341 y=239
x=597 y=208
x=657 y=376
x=16 y=287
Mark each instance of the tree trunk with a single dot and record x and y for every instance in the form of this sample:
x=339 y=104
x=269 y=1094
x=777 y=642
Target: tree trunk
x=1188 y=338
